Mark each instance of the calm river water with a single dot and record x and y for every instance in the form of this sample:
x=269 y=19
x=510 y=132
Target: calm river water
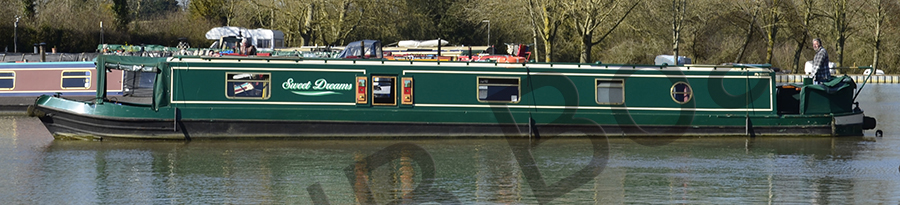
x=36 y=169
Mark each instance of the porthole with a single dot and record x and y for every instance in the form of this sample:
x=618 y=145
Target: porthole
x=682 y=92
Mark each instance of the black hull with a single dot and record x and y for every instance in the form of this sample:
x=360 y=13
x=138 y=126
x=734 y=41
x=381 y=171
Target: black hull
x=63 y=124
x=206 y=129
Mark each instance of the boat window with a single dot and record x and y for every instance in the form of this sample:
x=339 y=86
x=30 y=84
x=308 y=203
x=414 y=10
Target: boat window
x=263 y=43
x=7 y=80
x=610 y=92
x=496 y=89
x=139 y=84
x=247 y=85
x=383 y=90
x=682 y=92
x=76 y=79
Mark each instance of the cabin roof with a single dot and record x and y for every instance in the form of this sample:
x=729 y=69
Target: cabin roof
x=298 y=60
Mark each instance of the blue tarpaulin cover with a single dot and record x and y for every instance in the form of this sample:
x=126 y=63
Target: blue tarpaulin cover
x=355 y=49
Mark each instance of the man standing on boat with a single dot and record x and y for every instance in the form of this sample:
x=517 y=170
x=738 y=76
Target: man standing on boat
x=247 y=48
x=820 y=62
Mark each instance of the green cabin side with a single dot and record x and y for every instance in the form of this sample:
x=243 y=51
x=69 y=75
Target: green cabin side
x=461 y=92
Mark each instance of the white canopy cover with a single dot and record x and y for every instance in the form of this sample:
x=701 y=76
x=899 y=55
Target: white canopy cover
x=219 y=32
x=262 y=38
x=259 y=33
x=417 y=43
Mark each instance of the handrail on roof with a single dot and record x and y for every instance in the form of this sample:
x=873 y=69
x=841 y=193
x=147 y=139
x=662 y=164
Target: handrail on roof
x=596 y=64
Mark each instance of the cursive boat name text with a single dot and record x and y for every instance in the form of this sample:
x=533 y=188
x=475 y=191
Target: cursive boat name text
x=320 y=84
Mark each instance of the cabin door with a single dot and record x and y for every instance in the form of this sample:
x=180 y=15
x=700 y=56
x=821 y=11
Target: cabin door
x=383 y=90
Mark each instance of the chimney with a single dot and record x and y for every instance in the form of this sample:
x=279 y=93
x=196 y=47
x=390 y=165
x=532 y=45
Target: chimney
x=43 y=53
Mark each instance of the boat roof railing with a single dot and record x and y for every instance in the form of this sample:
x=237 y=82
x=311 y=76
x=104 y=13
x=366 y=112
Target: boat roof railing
x=131 y=63
x=292 y=56
x=551 y=64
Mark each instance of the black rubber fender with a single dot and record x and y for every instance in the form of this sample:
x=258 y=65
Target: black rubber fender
x=869 y=123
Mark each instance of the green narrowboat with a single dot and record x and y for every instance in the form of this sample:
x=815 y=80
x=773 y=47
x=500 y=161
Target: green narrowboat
x=227 y=97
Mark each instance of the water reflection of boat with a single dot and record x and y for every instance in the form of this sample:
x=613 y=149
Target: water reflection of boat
x=476 y=171
x=338 y=98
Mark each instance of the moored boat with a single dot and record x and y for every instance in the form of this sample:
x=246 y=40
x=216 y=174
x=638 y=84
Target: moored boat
x=21 y=83
x=222 y=97
x=67 y=78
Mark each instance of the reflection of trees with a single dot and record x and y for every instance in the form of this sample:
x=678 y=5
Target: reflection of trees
x=497 y=176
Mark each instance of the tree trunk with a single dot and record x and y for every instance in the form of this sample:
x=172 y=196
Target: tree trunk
x=802 y=43
x=840 y=50
x=773 y=31
x=304 y=29
x=840 y=25
x=586 y=45
x=534 y=49
x=877 y=49
x=740 y=55
x=547 y=50
x=677 y=22
x=800 y=46
x=548 y=45
x=879 y=19
x=675 y=36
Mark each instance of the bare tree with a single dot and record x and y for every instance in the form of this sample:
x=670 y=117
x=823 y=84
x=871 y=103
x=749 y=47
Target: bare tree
x=590 y=15
x=772 y=22
x=316 y=21
x=753 y=12
x=338 y=19
x=294 y=18
x=777 y=31
x=547 y=17
x=842 y=14
x=799 y=20
x=878 y=19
